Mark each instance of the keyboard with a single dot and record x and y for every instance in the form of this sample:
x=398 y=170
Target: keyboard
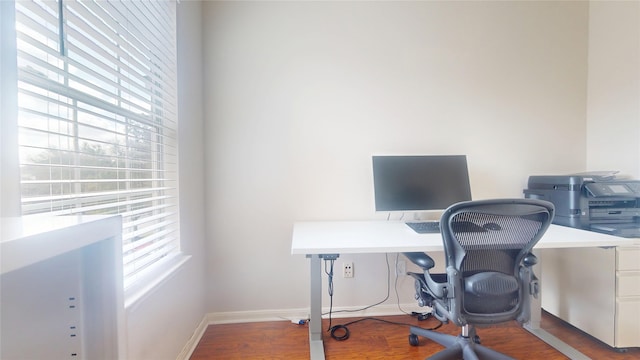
x=425 y=227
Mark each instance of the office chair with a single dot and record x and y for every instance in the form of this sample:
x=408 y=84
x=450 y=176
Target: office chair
x=489 y=277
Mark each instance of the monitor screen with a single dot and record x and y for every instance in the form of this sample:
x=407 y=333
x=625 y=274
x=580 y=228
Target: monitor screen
x=417 y=183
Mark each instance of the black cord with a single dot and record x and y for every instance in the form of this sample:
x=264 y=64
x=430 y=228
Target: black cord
x=395 y=285
x=344 y=336
x=345 y=331
x=363 y=308
x=341 y=332
x=330 y=285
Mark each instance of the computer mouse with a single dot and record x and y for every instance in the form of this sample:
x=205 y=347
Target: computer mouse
x=492 y=226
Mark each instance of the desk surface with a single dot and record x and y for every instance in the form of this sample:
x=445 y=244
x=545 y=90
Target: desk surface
x=27 y=240
x=348 y=237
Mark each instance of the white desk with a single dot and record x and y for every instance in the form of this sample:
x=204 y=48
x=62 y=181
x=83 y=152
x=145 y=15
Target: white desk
x=318 y=239
x=61 y=292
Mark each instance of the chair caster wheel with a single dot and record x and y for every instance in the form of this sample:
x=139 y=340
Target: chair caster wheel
x=476 y=339
x=413 y=340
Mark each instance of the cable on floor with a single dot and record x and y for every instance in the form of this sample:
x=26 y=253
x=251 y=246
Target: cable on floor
x=341 y=332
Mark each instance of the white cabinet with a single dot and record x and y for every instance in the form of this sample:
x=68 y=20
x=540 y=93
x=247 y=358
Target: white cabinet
x=61 y=288
x=596 y=290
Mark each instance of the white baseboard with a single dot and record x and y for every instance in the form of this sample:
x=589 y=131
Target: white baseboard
x=299 y=314
x=236 y=317
x=190 y=346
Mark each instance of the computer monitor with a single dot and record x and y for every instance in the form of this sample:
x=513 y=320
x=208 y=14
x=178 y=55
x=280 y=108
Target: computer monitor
x=420 y=183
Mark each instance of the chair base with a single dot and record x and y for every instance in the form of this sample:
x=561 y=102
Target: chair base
x=458 y=347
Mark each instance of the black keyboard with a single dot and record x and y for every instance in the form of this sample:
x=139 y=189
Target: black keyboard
x=425 y=227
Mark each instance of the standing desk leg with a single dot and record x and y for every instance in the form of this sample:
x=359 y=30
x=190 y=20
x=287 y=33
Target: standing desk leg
x=533 y=325
x=316 y=346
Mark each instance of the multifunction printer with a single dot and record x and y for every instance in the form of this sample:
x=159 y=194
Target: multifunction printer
x=593 y=202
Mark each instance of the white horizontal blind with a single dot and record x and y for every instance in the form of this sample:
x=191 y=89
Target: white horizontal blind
x=97 y=117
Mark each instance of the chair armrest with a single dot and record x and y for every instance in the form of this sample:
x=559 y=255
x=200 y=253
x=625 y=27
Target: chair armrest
x=421 y=259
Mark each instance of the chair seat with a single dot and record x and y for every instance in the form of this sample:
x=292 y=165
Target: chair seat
x=490 y=293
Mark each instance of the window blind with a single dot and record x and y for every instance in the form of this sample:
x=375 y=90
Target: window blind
x=97 y=117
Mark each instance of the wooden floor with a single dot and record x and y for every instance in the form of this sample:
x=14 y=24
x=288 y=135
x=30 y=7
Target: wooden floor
x=371 y=339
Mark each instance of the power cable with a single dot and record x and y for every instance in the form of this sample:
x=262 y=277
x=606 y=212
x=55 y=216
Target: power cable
x=341 y=332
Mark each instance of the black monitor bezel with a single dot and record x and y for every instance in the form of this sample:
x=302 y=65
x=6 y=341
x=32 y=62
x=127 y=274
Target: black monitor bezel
x=444 y=166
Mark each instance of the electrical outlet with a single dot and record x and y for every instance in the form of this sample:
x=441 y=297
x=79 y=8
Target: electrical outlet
x=401 y=268
x=347 y=269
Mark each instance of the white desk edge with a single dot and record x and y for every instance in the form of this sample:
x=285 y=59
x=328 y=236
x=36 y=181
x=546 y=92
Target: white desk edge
x=349 y=237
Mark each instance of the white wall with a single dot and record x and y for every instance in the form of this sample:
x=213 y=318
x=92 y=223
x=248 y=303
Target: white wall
x=299 y=95
x=613 y=115
x=159 y=326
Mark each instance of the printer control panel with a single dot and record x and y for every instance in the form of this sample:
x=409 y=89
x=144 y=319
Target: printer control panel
x=631 y=189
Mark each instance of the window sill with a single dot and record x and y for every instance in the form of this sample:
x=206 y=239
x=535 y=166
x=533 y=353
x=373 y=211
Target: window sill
x=150 y=281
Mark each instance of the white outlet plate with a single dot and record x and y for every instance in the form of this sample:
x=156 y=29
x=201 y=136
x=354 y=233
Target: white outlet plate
x=347 y=269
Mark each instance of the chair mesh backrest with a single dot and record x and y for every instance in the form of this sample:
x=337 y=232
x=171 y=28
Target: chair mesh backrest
x=495 y=250
x=486 y=241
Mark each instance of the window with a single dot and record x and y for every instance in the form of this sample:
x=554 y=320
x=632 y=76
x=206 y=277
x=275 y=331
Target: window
x=97 y=117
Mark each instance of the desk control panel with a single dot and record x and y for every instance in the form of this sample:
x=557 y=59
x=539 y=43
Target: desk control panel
x=432 y=227
x=425 y=227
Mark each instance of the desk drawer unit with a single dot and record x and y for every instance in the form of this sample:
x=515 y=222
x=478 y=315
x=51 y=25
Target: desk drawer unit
x=627 y=297
x=596 y=290
x=628 y=283
x=628 y=258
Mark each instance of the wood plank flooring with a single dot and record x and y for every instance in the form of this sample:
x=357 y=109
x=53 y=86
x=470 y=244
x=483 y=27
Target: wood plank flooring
x=371 y=339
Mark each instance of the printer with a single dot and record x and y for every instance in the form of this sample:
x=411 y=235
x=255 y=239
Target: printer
x=597 y=201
